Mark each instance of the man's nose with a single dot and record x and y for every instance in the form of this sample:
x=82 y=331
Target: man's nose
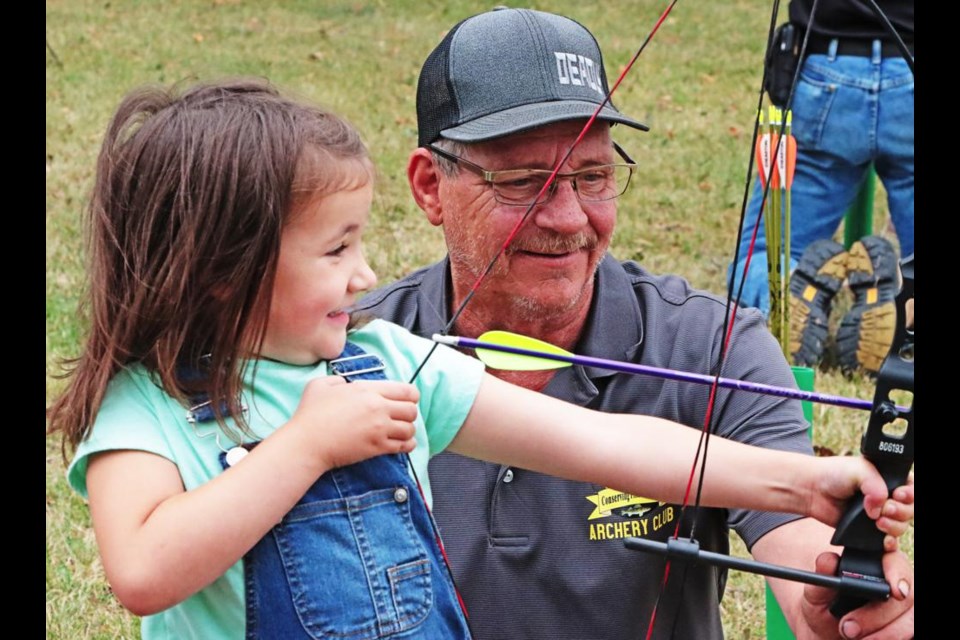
x=563 y=212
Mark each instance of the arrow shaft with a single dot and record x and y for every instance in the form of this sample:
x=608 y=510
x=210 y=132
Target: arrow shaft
x=669 y=374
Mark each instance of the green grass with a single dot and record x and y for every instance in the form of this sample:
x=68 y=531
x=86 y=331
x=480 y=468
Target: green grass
x=695 y=85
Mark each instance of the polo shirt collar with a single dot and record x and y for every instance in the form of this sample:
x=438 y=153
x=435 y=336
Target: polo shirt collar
x=433 y=298
x=614 y=326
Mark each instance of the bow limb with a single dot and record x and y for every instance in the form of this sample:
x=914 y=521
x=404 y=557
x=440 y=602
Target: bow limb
x=888 y=443
x=888 y=439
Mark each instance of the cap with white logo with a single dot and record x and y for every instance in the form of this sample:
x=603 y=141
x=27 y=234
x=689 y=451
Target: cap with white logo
x=510 y=70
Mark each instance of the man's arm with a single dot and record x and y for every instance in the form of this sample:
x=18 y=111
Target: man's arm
x=798 y=544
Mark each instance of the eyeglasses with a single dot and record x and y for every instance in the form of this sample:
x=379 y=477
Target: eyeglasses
x=521 y=187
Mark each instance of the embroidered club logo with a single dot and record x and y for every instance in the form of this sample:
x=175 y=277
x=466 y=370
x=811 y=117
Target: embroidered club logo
x=612 y=502
x=631 y=516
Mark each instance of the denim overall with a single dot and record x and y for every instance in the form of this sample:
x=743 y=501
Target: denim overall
x=356 y=558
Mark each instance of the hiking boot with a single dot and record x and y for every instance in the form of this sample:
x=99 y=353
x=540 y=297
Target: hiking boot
x=866 y=331
x=813 y=284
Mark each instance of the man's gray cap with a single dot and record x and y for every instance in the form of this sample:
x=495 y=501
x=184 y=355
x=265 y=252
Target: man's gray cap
x=510 y=70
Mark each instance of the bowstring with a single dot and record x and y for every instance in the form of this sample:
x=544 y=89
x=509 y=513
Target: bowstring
x=733 y=302
x=445 y=331
x=546 y=186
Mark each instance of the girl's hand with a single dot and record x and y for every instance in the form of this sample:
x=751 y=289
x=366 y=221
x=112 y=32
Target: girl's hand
x=350 y=422
x=842 y=476
x=146 y=521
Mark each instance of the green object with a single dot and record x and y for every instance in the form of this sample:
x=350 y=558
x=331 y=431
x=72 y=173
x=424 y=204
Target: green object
x=804 y=377
x=858 y=221
x=777 y=627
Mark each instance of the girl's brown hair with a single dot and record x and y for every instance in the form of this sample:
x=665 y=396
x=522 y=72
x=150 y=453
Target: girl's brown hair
x=191 y=192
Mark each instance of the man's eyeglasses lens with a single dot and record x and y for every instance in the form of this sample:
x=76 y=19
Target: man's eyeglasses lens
x=594 y=184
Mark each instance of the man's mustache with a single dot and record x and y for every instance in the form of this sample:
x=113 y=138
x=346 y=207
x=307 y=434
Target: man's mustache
x=554 y=243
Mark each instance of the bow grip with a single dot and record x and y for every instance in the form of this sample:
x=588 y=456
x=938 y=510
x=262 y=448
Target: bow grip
x=888 y=443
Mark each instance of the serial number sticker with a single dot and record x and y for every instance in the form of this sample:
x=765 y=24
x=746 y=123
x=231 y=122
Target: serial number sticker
x=892 y=447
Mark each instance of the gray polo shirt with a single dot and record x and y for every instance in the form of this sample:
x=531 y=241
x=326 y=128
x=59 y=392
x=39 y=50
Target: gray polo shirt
x=540 y=557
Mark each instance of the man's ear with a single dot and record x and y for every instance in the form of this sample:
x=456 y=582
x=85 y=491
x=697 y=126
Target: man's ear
x=424 y=178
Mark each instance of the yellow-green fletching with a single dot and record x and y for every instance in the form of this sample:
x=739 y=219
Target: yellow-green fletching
x=516 y=361
x=775 y=115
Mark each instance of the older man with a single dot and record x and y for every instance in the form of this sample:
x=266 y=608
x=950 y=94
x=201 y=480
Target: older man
x=499 y=103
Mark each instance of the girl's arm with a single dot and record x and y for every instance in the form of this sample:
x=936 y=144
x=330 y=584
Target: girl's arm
x=652 y=457
x=160 y=544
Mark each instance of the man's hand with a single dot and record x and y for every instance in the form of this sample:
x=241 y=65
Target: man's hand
x=806 y=608
x=891 y=619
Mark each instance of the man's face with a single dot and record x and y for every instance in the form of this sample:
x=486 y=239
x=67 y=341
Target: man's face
x=549 y=266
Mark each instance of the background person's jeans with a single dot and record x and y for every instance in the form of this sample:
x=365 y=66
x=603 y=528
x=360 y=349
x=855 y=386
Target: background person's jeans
x=848 y=111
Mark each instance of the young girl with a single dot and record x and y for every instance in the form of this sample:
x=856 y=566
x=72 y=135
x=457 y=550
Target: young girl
x=242 y=475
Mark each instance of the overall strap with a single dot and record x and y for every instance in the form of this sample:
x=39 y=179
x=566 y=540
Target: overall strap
x=201 y=406
x=356 y=364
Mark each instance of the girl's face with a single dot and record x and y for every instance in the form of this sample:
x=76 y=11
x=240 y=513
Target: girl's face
x=320 y=271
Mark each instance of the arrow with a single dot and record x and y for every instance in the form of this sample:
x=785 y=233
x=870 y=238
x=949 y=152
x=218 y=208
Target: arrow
x=789 y=151
x=773 y=228
x=506 y=350
x=514 y=352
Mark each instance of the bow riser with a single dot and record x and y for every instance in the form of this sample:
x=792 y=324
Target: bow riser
x=888 y=445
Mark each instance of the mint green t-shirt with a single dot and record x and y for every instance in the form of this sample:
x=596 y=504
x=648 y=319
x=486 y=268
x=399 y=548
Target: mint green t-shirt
x=136 y=414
